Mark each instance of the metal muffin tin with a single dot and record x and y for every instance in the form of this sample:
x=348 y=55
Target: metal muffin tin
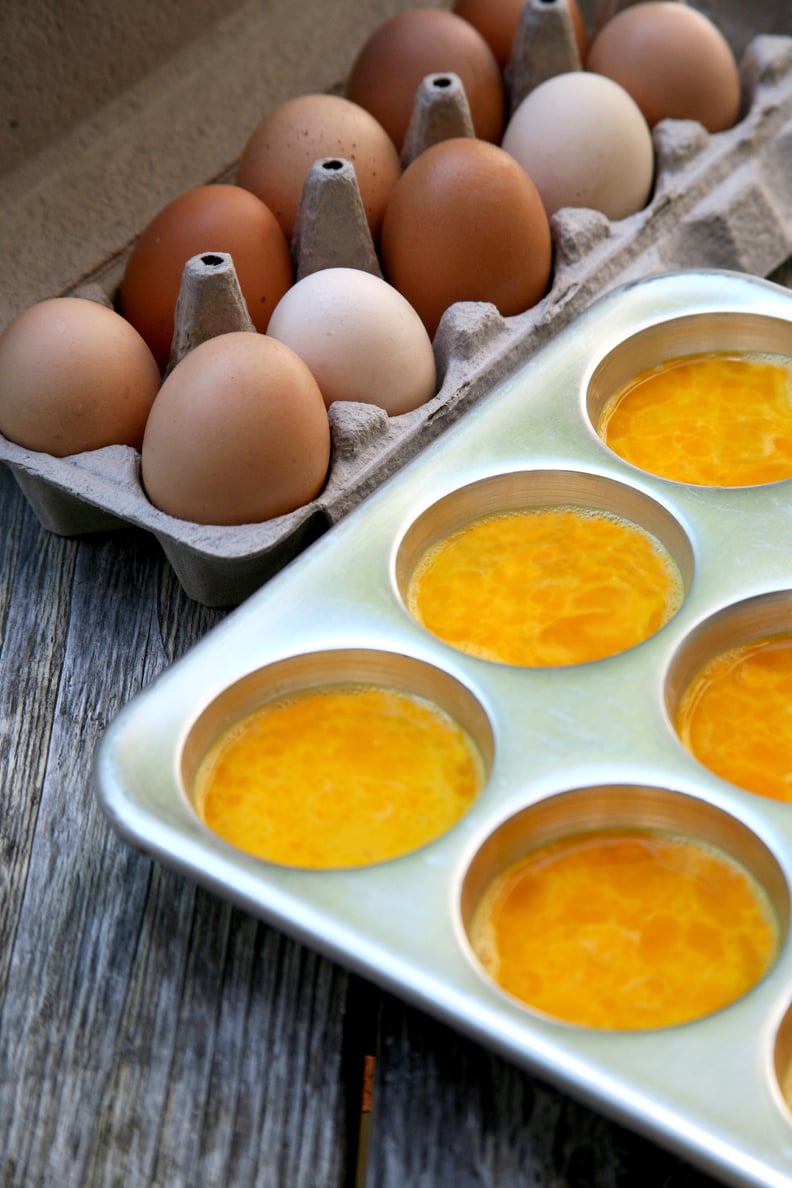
x=564 y=748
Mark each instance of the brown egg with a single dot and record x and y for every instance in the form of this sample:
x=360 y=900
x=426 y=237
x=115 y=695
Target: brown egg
x=466 y=223
x=283 y=147
x=74 y=376
x=213 y=218
x=497 y=22
x=238 y=433
x=401 y=52
x=673 y=61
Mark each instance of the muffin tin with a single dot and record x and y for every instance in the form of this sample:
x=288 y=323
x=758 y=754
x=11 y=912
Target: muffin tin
x=719 y=201
x=564 y=749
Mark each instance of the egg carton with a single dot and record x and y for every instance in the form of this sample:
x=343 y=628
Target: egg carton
x=721 y=201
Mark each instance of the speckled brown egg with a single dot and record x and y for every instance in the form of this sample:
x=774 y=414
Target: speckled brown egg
x=74 y=376
x=212 y=218
x=674 y=62
x=497 y=21
x=298 y=132
x=466 y=223
x=404 y=49
x=238 y=433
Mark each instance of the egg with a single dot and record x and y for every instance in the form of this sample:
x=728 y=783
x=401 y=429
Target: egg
x=674 y=62
x=402 y=51
x=466 y=223
x=361 y=339
x=238 y=433
x=498 y=20
x=74 y=376
x=211 y=218
x=298 y=132
x=584 y=142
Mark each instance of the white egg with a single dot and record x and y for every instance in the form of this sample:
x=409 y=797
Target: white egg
x=584 y=142
x=359 y=337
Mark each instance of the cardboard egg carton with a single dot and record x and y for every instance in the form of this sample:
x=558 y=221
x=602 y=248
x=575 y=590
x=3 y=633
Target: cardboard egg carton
x=720 y=201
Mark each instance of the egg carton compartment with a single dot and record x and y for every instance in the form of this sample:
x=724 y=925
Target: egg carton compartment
x=565 y=749
x=720 y=200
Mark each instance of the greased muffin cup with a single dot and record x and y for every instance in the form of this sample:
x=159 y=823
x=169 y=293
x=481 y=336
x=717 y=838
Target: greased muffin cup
x=573 y=750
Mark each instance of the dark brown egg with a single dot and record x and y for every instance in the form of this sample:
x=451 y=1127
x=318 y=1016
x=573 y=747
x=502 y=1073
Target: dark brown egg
x=213 y=218
x=466 y=223
x=400 y=53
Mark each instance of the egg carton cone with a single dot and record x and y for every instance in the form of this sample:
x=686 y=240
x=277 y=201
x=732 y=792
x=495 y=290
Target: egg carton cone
x=720 y=201
x=440 y=112
x=544 y=45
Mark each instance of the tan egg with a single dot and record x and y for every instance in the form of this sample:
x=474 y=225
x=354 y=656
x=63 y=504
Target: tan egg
x=674 y=62
x=361 y=338
x=584 y=142
x=297 y=133
x=466 y=223
x=238 y=433
x=213 y=218
x=400 y=53
x=497 y=22
x=74 y=376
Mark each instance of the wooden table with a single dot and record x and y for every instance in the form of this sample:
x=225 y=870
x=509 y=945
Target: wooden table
x=151 y=1034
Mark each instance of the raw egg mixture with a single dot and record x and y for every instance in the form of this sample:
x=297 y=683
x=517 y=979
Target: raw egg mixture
x=339 y=777
x=718 y=420
x=545 y=587
x=736 y=716
x=603 y=930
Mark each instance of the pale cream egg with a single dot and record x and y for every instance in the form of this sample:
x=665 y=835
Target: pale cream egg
x=361 y=339
x=583 y=141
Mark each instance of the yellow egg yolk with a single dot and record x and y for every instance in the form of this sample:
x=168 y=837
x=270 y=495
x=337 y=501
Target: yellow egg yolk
x=626 y=931
x=736 y=716
x=546 y=587
x=715 y=420
x=339 y=777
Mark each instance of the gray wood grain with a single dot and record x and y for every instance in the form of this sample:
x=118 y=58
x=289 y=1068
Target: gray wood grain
x=150 y=1034
x=446 y=1111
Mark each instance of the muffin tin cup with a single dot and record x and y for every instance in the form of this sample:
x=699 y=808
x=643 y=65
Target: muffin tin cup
x=619 y=809
x=590 y=734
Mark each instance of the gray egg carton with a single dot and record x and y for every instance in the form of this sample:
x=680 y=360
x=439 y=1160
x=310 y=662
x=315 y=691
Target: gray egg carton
x=721 y=201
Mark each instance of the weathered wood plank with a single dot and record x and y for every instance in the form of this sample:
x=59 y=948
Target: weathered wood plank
x=35 y=573
x=150 y=1034
x=447 y=1111
x=66 y=941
